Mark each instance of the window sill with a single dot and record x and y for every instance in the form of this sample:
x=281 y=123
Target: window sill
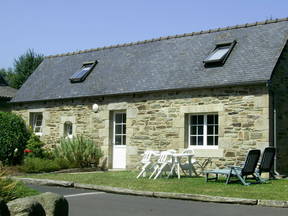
x=203 y=147
x=39 y=134
x=206 y=153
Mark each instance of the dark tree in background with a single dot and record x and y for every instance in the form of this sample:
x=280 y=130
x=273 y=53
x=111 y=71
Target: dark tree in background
x=5 y=73
x=24 y=66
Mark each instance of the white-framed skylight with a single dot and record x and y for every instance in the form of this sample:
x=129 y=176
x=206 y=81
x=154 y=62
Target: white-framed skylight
x=83 y=72
x=220 y=53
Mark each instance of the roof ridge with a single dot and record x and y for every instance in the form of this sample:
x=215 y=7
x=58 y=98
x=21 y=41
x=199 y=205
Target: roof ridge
x=268 y=21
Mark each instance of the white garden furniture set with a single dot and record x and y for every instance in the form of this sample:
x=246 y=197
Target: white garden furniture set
x=169 y=162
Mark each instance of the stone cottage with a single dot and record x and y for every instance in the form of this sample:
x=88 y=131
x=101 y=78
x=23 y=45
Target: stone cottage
x=6 y=94
x=220 y=92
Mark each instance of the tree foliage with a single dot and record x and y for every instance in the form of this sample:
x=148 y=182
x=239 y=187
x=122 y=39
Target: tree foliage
x=6 y=73
x=24 y=66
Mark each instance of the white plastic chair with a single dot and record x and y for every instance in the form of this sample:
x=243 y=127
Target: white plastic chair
x=163 y=164
x=147 y=163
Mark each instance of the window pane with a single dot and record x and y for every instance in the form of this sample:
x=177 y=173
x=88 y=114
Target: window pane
x=200 y=140
x=67 y=129
x=193 y=140
x=218 y=54
x=118 y=129
x=124 y=129
x=38 y=119
x=200 y=130
x=210 y=130
x=194 y=120
x=124 y=140
x=201 y=119
x=81 y=73
x=37 y=129
x=197 y=128
x=210 y=140
x=70 y=129
x=118 y=140
x=210 y=119
x=118 y=118
x=36 y=122
x=193 y=130
x=124 y=117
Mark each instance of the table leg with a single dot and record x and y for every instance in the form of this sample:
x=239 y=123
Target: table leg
x=178 y=170
x=190 y=165
x=172 y=170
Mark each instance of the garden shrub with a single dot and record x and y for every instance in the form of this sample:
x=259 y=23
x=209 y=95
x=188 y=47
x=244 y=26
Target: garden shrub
x=13 y=138
x=10 y=189
x=6 y=187
x=79 y=151
x=64 y=164
x=34 y=147
x=36 y=165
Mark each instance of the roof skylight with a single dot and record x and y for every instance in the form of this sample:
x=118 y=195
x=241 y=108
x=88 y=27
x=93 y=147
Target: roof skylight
x=83 y=72
x=220 y=53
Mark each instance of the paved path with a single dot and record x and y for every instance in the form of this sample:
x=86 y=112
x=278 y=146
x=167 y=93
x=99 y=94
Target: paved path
x=94 y=203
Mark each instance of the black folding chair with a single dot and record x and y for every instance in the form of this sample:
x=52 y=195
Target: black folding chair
x=248 y=169
x=241 y=173
x=267 y=162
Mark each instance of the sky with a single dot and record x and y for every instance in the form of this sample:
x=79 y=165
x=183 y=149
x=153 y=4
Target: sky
x=59 y=26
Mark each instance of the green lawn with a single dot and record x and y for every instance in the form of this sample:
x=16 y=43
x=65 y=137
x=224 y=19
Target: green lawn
x=274 y=190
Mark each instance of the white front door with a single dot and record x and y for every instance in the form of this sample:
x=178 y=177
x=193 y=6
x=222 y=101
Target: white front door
x=119 y=140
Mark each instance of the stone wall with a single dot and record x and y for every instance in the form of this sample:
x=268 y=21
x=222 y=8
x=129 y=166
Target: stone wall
x=279 y=90
x=157 y=120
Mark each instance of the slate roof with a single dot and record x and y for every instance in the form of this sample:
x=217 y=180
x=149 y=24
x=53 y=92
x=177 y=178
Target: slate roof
x=166 y=63
x=6 y=92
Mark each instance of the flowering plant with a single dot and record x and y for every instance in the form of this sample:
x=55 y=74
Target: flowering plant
x=27 y=151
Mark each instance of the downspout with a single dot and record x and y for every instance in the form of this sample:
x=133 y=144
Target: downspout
x=274 y=124
x=275 y=138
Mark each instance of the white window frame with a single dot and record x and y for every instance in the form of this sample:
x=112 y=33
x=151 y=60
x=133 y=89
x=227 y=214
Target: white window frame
x=204 y=146
x=34 y=120
x=114 y=129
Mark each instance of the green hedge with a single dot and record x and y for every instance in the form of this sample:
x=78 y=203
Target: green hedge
x=13 y=138
x=38 y=165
